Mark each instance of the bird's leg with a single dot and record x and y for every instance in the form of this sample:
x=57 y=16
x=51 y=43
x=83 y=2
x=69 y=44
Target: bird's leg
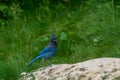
x=49 y=64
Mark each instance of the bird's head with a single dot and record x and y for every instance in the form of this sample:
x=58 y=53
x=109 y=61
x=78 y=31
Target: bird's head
x=53 y=38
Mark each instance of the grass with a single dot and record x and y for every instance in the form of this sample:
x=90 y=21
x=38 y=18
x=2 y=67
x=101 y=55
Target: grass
x=84 y=33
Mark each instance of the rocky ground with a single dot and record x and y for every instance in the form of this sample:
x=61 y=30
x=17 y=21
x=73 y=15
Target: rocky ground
x=95 y=69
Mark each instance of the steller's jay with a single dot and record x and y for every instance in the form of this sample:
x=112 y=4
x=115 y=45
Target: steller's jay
x=48 y=51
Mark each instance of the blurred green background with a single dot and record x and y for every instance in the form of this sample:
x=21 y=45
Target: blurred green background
x=85 y=29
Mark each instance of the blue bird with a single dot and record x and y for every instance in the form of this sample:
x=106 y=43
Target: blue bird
x=47 y=52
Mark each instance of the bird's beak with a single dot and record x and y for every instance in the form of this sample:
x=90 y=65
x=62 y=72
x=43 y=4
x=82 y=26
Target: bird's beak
x=54 y=40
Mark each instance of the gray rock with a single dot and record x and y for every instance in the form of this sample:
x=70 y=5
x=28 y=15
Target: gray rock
x=95 y=69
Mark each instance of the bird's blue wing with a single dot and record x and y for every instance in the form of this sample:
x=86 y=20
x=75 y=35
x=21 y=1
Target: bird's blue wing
x=47 y=49
x=44 y=51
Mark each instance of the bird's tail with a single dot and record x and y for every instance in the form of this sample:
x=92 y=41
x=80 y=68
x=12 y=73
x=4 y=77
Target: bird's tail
x=38 y=57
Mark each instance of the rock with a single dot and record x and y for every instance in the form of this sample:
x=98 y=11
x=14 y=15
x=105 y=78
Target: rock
x=23 y=74
x=95 y=69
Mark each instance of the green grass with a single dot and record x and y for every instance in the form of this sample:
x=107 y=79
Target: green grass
x=92 y=31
